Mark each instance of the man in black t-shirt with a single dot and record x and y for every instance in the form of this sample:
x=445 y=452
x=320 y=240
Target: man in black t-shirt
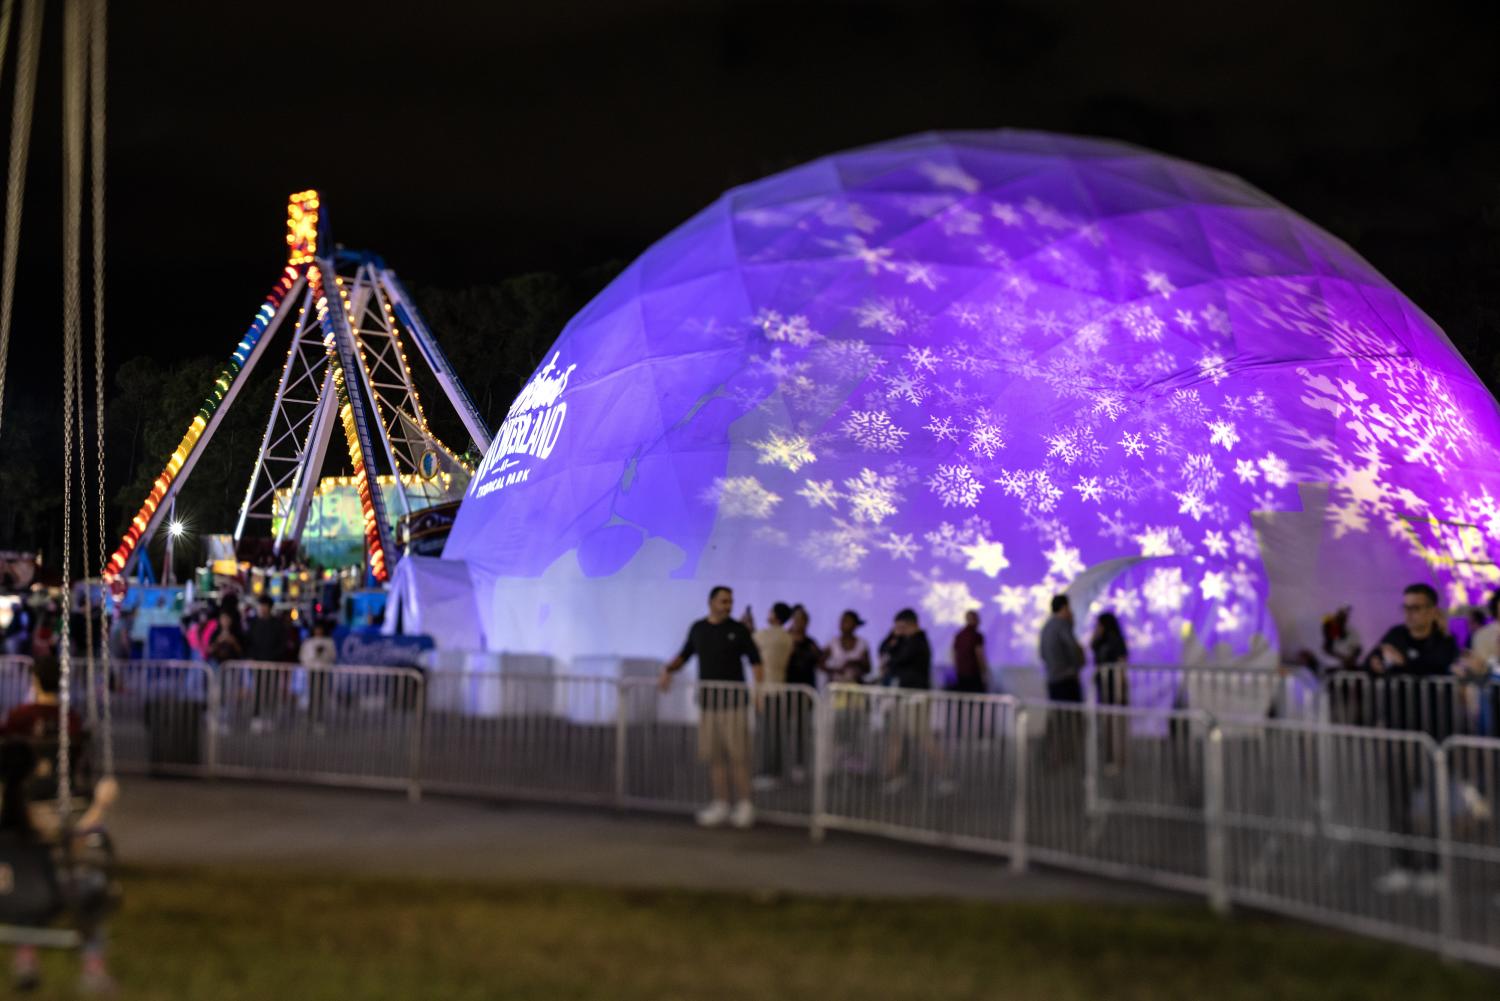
x=906 y=663
x=1419 y=648
x=721 y=646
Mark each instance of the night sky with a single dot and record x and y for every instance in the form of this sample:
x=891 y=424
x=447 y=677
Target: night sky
x=468 y=142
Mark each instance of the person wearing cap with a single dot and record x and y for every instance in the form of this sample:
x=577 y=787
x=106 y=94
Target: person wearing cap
x=1341 y=644
x=775 y=646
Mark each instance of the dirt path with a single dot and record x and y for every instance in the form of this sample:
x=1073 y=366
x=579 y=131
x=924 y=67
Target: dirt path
x=230 y=824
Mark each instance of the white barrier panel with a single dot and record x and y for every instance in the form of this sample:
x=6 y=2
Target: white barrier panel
x=528 y=664
x=161 y=716
x=1440 y=707
x=603 y=668
x=934 y=767
x=1473 y=768
x=15 y=682
x=1341 y=825
x=1117 y=790
x=768 y=733
x=555 y=739
x=1023 y=682
x=340 y=725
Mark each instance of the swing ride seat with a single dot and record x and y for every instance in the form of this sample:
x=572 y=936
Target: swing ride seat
x=44 y=885
x=47 y=893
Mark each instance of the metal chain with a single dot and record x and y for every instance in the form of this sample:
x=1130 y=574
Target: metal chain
x=98 y=34
x=29 y=40
x=90 y=702
x=72 y=120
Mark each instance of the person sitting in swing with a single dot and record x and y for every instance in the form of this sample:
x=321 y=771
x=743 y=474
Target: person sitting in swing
x=38 y=719
x=29 y=816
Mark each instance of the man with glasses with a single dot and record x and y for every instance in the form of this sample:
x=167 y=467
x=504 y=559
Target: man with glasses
x=1419 y=648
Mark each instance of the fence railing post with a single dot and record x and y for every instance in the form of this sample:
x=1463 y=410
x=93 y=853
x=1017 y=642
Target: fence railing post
x=1091 y=751
x=418 y=734
x=215 y=702
x=1215 y=847
x=621 y=722
x=822 y=708
x=1019 y=747
x=1447 y=904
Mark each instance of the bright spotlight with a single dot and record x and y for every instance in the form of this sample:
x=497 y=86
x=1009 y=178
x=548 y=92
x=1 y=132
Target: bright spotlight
x=176 y=529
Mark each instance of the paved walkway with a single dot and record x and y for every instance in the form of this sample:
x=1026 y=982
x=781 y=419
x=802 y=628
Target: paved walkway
x=164 y=822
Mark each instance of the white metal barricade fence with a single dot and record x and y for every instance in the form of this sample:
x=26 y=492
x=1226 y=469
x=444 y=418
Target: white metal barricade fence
x=669 y=740
x=358 y=726
x=162 y=716
x=1442 y=706
x=1224 y=693
x=15 y=682
x=1144 y=810
x=1342 y=825
x=1473 y=847
x=1387 y=832
x=933 y=767
x=543 y=737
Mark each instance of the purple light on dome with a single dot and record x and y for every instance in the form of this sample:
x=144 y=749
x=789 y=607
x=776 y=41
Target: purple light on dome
x=971 y=370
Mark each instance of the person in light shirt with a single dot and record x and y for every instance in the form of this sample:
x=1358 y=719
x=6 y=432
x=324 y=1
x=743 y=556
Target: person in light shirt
x=318 y=655
x=775 y=644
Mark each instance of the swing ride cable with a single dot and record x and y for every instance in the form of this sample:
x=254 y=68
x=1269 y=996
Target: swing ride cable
x=72 y=115
x=28 y=41
x=98 y=33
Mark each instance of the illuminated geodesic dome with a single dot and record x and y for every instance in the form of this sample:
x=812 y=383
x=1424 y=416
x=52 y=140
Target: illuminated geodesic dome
x=972 y=370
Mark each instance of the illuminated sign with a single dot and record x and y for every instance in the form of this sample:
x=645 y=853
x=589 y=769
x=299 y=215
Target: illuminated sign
x=531 y=430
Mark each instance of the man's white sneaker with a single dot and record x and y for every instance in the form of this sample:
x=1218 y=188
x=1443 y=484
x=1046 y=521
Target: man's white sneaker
x=714 y=814
x=1474 y=802
x=743 y=815
x=1395 y=881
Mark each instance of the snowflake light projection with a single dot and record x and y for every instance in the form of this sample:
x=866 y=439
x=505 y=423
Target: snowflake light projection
x=972 y=370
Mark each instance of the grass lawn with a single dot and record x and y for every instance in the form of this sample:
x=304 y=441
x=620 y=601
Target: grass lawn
x=225 y=935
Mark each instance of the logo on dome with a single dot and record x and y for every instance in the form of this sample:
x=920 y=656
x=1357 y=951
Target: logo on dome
x=531 y=429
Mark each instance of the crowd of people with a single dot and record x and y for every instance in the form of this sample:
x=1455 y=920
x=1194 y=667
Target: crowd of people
x=217 y=633
x=782 y=652
x=35 y=629
x=1427 y=642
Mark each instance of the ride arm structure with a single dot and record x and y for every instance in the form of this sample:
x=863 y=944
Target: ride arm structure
x=359 y=427
x=347 y=365
x=231 y=379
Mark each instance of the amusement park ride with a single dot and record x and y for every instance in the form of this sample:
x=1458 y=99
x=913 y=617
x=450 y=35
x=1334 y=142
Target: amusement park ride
x=346 y=366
